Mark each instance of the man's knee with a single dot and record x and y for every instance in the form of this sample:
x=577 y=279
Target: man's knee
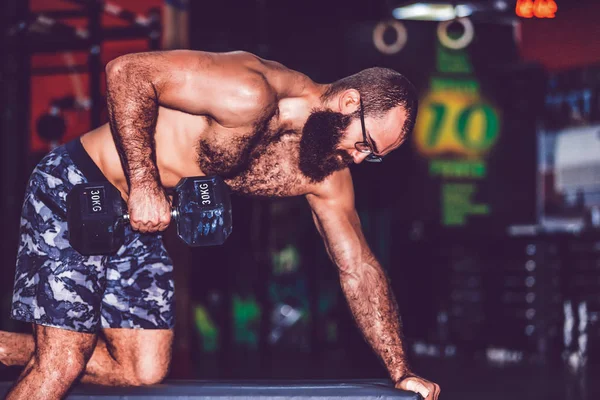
x=151 y=367
x=145 y=355
x=149 y=372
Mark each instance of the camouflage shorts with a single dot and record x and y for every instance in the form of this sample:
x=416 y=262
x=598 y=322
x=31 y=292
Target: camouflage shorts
x=56 y=286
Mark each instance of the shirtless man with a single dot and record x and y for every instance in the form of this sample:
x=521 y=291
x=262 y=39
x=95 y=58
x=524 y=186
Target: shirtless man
x=268 y=131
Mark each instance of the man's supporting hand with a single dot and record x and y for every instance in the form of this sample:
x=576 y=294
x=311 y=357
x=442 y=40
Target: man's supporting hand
x=413 y=383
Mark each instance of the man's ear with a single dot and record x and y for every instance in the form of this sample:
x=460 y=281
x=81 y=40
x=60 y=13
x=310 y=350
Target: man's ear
x=349 y=101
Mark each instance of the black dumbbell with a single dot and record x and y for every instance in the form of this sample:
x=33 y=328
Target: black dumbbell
x=96 y=214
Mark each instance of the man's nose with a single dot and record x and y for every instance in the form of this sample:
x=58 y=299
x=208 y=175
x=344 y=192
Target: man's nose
x=358 y=157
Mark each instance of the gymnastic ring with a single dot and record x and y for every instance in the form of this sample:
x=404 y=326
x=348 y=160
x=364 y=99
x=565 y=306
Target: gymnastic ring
x=401 y=37
x=461 y=42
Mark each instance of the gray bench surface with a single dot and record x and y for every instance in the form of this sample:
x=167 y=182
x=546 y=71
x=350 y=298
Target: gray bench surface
x=363 y=389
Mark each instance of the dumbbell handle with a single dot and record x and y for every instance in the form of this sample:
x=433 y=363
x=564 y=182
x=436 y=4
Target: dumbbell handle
x=174 y=214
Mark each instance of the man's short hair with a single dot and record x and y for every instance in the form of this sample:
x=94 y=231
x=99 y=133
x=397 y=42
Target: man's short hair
x=381 y=89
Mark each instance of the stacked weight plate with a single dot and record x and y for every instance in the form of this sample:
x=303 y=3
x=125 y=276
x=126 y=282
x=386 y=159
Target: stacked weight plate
x=524 y=300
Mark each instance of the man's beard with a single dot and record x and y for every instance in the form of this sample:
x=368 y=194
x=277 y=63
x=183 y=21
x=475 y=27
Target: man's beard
x=319 y=156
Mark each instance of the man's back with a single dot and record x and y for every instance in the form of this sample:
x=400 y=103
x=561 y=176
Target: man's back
x=234 y=115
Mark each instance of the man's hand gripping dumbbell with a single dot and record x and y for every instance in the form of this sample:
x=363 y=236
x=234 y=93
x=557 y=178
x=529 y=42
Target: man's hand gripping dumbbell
x=96 y=214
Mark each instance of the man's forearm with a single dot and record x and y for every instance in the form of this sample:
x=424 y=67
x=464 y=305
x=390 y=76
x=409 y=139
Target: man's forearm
x=133 y=111
x=374 y=307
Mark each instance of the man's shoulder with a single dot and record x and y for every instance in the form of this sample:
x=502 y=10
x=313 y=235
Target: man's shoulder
x=279 y=79
x=240 y=89
x=258 y=79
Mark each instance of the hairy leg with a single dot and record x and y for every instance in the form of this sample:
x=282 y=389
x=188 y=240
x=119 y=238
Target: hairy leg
x=130 y=357
x=58 y=360
x=16 y=348
x=122 y=357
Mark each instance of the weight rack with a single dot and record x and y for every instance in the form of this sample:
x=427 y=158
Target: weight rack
x=45 y=32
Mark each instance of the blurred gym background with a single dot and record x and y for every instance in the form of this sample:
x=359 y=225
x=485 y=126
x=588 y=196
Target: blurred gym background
x=487 y=220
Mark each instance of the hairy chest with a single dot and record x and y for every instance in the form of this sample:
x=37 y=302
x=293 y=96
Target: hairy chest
x=257 y=163
x=273 y=171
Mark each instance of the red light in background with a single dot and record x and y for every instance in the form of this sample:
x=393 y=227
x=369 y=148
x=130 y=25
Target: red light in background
x=536 y=8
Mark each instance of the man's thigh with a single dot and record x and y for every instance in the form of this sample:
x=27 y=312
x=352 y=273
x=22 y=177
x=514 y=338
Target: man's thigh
x=138 y=305
x=140 y=290
x=54 y=284
x=57 y=345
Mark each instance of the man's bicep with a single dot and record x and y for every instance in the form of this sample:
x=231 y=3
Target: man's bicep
x=183 y=82
x=170 y=78
x=193 y=82
x=340 y=229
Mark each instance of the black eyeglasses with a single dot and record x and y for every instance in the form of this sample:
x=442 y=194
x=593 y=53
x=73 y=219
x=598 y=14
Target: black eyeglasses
x=364 y=146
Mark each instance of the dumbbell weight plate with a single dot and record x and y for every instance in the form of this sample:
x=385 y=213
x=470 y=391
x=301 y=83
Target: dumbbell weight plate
x=94 y=218
x=204 y=207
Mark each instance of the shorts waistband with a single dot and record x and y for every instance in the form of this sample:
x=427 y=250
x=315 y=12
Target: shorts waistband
x=83 y=161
